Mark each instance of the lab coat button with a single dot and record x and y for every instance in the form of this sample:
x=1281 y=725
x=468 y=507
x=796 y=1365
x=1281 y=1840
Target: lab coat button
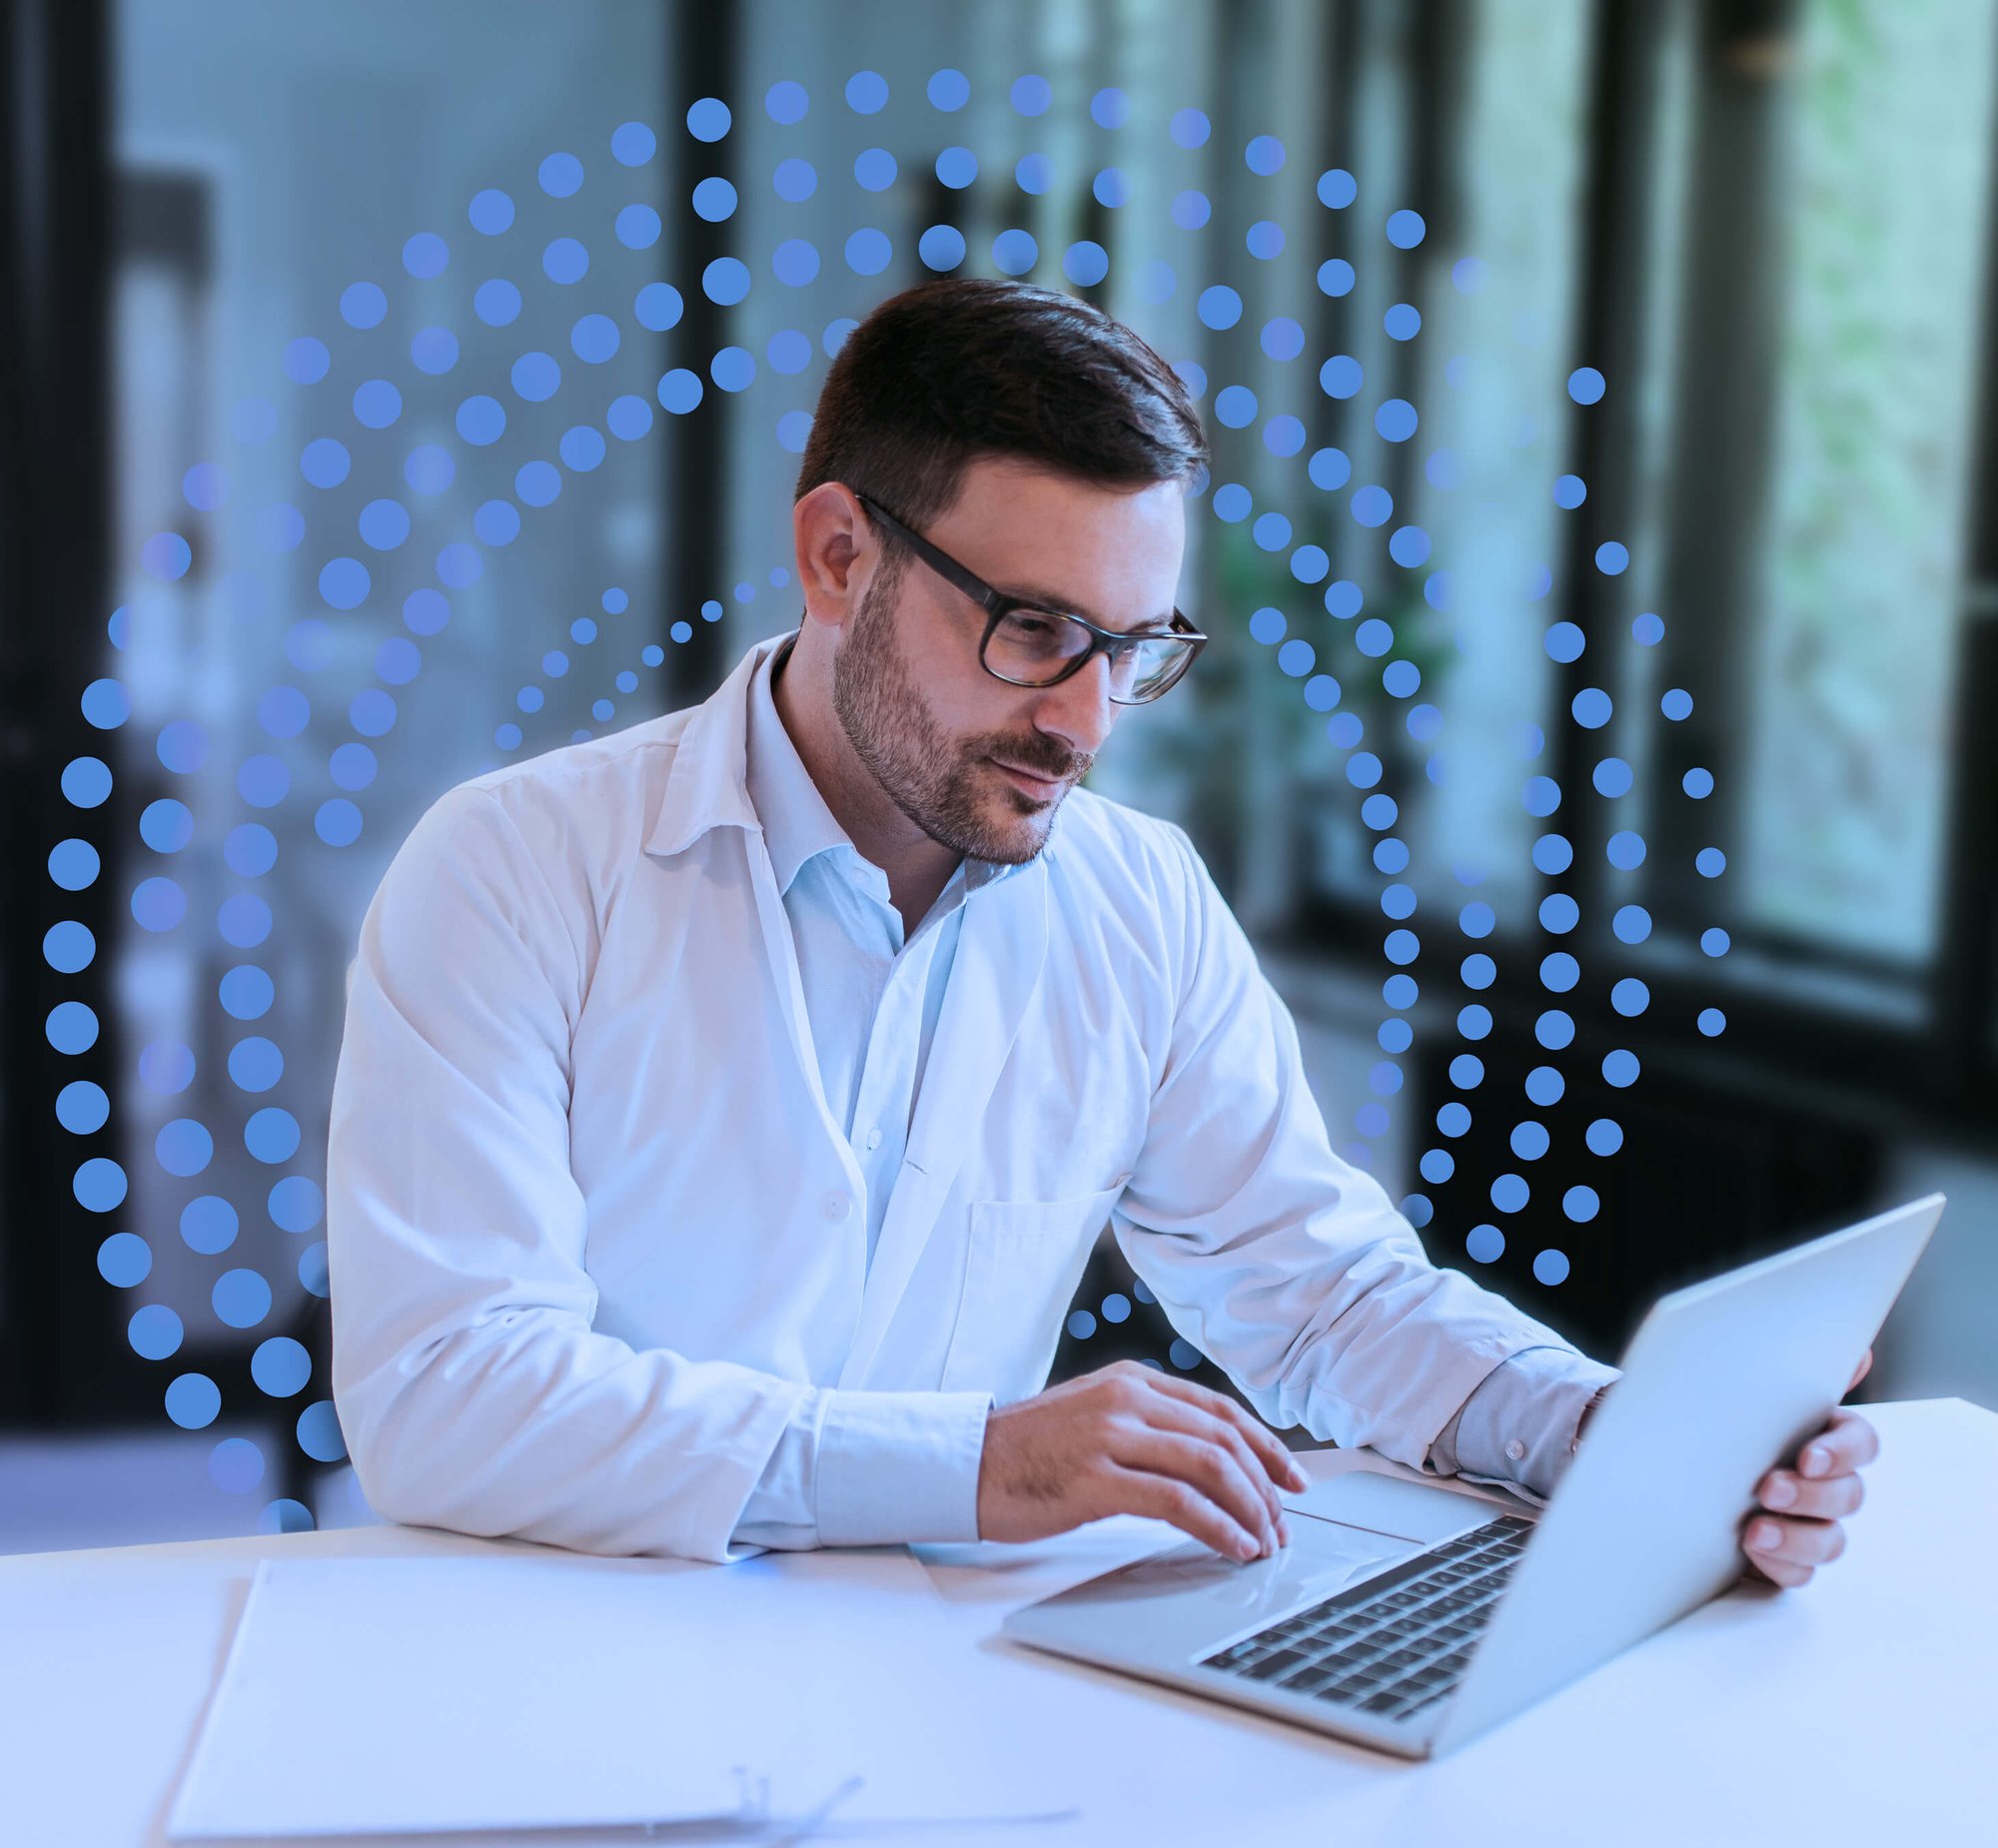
x=1515 y=1450
x=834 y=1206
x=873 y=1139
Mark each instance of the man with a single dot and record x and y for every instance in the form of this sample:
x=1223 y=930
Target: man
x=727 y=1106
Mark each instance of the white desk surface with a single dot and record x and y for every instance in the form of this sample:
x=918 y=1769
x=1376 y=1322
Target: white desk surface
x=1861 y=1708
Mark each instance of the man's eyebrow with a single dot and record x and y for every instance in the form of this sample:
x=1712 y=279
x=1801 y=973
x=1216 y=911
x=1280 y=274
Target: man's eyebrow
x=1043 y=598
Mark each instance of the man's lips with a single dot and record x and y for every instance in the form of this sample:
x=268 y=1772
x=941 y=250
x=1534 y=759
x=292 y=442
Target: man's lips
x=1039 y=783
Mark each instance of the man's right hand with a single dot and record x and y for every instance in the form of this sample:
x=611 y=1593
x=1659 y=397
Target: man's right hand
x=1132 y=1440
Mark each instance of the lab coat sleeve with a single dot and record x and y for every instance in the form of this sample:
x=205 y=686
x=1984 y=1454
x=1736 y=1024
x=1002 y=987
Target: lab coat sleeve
x=471 y=1389
x=1534 y=1399
x=1285 y=1264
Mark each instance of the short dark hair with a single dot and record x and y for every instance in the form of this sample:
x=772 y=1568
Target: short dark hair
x=962 y=369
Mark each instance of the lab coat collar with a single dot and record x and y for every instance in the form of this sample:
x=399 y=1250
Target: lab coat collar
x=708 y=783
x=997 y=969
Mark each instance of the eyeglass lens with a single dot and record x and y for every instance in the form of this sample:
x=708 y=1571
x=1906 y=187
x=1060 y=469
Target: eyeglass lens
x=1032 y=647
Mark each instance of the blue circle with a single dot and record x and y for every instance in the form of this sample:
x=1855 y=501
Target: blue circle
x=1551 y=1267
x=376 y=403
x=1405 y=229
x=867 y=93
x=632 y=143
x=490 y=212
x=71 y=1027
x=713 y=200
x=1110 y=108
x=1509 y=1193
x=1085 y=264
x=1341 y=377
x=246 y=994
x=236 y=1465
x=1554 y=1029
x=869 y=251
x=318 y=1433
x=1647 y=631
x=1473 y=1021
x=255 y=1063
x=1570 y=490
x=1620 y=1068
x=1629 y=997
x=1711 y=1022
x=82 y=1108
x=1373 y=505
x=1467 y=1071
x=1626 y=850
x=1604 y=1136
x=363 y=304
x=794 y=180
x=1219 y=308
x=1485 y=1242
x=1453 y=1119
x=1477 y=971
x=1580 y=1204
x=1542 y=795
x=281 y=1366
x=240 y=1297
x=1585 y=386
x=874 y=168
x=324 y=463
x=1401 y=322
x=158 y=903
x=1014 y=251
x=629 y=418
x=1564 y=643
x=1032 y=174
x=86 y=781
x=1591 y=708
x=244 y=920
x=124 y=1259
x=1560 y=972
x=182 y=1147
x=271 y=1135
x=73 y=864
x=297 y=1204
x=307 y=360
x=208 y=1225
x=155 y=1332
x=1714 y=941
x=98 y=1185
x=1476 y=919
x=941 y=247
x=1396 y=420
x=949 y=90
x=1712 y=863
x=1529 y=1140
x=1553 y=854
x=708 y=119
x=566 y=261
x=560 y=176
x=193 y=1401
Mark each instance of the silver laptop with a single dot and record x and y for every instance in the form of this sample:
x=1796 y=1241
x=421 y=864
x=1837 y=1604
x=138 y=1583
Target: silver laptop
x=1413 y=1618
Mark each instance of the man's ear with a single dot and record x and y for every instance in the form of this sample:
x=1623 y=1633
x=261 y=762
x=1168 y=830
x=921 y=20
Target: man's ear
x=837 y=552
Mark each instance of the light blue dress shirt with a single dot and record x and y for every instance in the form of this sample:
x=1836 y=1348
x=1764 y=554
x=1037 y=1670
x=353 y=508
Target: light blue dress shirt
x=872 y=995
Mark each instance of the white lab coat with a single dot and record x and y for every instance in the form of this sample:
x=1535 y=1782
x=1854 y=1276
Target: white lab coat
x=592 y=1231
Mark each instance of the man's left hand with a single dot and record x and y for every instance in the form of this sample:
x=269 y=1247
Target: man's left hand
x=1796 y=1526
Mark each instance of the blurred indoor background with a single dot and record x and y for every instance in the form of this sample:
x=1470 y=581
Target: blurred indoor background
x=1666 y=737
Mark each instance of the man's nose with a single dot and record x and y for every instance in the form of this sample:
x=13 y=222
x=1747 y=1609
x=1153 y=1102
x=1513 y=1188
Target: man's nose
x=1079 y=711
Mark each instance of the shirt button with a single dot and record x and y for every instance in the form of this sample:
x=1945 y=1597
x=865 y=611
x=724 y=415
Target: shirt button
x=873 y=1139
x=1515 y=1450
x=834 y=1206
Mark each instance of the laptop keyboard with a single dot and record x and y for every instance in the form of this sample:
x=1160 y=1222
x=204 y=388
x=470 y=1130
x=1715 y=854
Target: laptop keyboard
x=1395 y=1644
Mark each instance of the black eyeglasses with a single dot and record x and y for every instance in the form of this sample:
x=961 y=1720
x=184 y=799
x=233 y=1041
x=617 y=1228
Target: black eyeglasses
x=1025 y=645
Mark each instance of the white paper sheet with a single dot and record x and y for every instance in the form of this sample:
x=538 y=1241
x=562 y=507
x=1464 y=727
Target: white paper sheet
x=546 y=1690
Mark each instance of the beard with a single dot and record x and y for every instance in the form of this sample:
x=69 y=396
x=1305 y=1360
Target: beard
x=939 y=781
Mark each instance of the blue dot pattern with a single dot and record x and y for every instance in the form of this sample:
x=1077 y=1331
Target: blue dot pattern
x=390 y=528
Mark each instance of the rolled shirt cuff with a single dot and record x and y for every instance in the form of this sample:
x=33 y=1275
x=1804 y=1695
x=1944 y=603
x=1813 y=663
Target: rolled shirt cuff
x=1519 y=1426
x=900 y=1466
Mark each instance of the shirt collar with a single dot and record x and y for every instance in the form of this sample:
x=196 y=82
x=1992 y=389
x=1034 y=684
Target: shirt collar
x=796 y=821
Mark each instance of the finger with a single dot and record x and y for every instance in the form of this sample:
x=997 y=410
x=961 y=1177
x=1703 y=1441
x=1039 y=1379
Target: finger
x=1865 y=1364
x=1275 y=1456
x=1827 y=1499
x=1170 y=1412
x=1135 y=1492
x=1846 y=1443
x=1796 y=1542
x=1777 y=1572
x=1210 y=1467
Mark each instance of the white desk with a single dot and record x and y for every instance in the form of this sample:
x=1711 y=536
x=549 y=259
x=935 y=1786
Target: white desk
x=1861 y=1708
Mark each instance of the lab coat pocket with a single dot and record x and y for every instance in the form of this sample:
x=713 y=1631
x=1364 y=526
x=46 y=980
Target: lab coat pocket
x=1023 y=1260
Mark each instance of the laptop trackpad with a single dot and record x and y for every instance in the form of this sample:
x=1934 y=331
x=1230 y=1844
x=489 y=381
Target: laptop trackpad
x=1387 y=1504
